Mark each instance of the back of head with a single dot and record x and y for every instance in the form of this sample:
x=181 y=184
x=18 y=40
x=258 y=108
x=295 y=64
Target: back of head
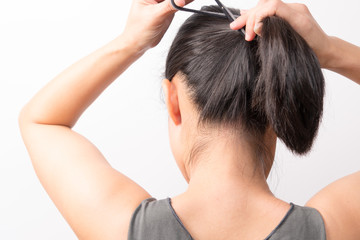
x=274 y=81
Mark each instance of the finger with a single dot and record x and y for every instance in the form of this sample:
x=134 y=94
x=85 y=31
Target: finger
x=292 y=13
x=263 y=13
x=260 y=15
x=243 y=11
x=239 y=22
x=167 y=8
x=250 y=24
x=258 y=28
x=180 y=3
x=285 y=10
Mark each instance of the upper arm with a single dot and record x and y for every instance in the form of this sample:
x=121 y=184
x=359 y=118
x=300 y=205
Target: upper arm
x=339 y=205
x=95 y=199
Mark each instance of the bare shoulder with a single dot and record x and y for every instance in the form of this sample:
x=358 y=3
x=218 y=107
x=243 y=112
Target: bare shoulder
x=339 y=205
x=95 y=199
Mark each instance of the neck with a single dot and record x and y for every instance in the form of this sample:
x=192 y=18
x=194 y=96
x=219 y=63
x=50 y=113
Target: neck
x=228 y=168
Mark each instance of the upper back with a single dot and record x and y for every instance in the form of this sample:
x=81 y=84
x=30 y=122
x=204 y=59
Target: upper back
x=156 y=219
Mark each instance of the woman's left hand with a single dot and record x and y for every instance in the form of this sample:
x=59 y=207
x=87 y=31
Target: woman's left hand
x=148 y=21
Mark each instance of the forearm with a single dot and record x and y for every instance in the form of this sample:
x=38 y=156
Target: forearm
x=63 y=100
x=344 y=58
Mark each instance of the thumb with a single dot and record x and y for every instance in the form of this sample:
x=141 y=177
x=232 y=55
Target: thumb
x=167 y=7
x=180 y=3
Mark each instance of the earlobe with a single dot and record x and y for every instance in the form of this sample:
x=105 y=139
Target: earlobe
x=172 y=101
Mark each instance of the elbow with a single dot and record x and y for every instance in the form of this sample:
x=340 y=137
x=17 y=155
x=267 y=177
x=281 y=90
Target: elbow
x=23 y=118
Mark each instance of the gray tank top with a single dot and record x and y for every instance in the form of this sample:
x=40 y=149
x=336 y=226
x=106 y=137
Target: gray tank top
x=157 y=220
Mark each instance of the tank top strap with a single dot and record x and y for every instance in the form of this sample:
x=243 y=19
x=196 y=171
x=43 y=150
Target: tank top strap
x=300 y=223
x=156 y=220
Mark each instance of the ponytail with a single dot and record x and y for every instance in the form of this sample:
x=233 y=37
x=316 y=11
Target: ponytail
x=290 y=86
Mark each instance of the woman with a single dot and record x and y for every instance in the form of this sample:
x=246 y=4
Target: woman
x=234 y=158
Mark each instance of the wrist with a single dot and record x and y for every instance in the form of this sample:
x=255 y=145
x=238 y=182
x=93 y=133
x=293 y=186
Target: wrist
x=331 y=58
x=343 y=58
x=326 y=56
x=125 y=45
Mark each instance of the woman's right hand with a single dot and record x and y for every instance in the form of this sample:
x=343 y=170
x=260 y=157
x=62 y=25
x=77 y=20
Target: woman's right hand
x=148 y=21
x=297 y=15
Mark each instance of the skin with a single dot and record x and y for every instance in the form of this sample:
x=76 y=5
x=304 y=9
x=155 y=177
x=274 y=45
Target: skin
x=98 y=201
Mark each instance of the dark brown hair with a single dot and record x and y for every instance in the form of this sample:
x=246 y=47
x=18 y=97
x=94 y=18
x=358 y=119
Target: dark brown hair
x=273 y=81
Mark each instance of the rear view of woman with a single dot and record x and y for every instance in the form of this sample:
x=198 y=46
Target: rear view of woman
x=229 y=98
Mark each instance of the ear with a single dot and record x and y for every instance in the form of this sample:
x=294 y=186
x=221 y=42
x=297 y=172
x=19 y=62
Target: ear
x=172 y=101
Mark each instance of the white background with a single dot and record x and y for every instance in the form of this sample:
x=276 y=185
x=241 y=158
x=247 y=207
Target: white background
x=128 y=123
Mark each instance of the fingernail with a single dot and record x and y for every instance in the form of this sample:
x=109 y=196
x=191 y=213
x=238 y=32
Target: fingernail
x=233 y=25
x=247 y=37
x=256 y=27
x=180 y=3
